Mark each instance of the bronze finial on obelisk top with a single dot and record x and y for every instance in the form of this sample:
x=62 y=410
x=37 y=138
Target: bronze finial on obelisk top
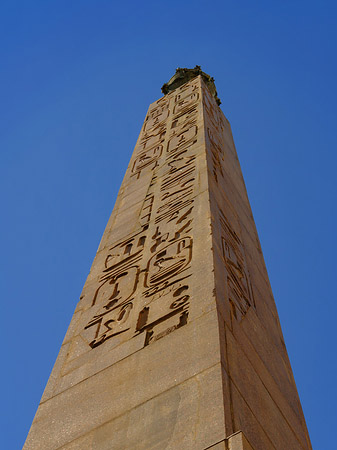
x=183 y=75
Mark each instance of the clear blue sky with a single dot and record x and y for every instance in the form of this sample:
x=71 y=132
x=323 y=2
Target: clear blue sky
x=76 y=78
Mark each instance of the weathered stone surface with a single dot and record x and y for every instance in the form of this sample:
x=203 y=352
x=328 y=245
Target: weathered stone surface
x=187 y=416
x=175 y=342
x=81 y=405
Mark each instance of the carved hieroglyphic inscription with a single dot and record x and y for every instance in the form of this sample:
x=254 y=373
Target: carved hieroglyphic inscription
x=215 y=128
x=148 y=158
x=240 y=294
x=157 y=116
x=144 y=285
x=217 y=153
x=212 y=112
x=115 y=294
x=239 y=289
x=184 y=103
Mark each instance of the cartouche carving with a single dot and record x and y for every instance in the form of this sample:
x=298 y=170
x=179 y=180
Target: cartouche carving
x=152 y=138
x=156 y=117
x=168 y=262
x=238 y=281
x=185 y=119
x=183 y=138
x=145 y=214
x=147 y=159
x=214 y=114
x=110 y=323
x=115 y=294
x=217 y=154
x=186 y=102
x=186 y=90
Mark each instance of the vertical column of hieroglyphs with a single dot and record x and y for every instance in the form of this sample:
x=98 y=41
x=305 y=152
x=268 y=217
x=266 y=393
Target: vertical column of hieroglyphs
x=146 y=322
x=257 y=375
x=142 y=287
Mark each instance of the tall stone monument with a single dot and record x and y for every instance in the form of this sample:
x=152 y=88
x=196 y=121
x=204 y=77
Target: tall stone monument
x=176 y=342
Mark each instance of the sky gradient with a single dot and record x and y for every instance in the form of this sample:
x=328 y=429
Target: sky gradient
x=77 y=78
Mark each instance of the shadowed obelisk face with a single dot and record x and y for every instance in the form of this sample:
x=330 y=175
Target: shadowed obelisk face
x=175 y=342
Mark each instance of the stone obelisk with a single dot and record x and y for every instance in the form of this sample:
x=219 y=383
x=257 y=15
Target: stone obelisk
x=176 y=342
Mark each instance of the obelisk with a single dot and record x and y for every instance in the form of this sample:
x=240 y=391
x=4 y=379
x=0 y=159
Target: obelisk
x=176 y=342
